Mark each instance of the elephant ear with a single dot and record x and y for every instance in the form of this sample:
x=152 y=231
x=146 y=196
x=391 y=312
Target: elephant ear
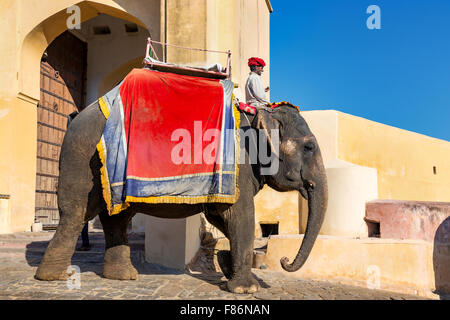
x=265 y=121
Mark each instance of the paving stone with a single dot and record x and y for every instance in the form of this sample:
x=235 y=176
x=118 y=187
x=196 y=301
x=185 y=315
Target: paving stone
x=20 y=255
x=169 y=290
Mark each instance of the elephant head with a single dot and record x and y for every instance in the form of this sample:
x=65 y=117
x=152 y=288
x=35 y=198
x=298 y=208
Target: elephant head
x=300 y=168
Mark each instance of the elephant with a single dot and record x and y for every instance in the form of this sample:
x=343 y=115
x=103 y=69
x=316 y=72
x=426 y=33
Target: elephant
x=80 y=198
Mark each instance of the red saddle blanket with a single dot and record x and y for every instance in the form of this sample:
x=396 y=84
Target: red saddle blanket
x=168 y=139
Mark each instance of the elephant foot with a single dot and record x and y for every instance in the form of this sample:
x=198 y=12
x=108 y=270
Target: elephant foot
x=224 y=260
x=118 y=265
x=243 y=285
x=120 y=271
x=52 y=272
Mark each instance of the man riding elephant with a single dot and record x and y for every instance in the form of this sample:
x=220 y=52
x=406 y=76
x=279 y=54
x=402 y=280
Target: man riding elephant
x=254 y=88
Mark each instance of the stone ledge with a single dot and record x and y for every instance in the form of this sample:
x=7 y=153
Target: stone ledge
x=411 y=266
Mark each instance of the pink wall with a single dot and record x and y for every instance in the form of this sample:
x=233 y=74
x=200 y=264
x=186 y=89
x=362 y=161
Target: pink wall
x=409 y=219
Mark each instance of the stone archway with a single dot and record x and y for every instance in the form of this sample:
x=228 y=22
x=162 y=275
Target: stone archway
x=54 y=107
x=40 y=37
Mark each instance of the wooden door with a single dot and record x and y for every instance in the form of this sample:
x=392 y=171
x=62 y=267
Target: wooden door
x=63 y=82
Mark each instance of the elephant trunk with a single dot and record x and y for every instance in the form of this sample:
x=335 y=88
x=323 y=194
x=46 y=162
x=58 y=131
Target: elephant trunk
x=317 y=205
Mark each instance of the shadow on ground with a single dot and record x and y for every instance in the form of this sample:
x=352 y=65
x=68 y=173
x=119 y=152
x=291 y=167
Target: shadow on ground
x=92 y=260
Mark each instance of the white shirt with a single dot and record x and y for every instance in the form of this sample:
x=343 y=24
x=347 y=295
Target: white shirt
x=254 y=91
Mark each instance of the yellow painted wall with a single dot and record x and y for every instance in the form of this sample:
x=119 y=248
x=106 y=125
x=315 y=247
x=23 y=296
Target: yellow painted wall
x=404 y=160
x=276 y=207
x=186 y=26
x=253 y=28
x=242 y=26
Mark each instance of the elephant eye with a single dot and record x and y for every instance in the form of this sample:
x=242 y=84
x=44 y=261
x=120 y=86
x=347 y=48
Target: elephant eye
x=309 y=147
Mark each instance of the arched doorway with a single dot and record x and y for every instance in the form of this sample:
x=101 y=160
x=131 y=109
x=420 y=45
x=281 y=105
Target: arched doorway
x=73 y=71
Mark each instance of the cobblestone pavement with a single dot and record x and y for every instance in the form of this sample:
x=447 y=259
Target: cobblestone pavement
x=21 y=253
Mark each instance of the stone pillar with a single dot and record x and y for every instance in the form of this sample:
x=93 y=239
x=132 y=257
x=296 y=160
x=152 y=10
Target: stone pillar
x=172 y=243
x=138 y=223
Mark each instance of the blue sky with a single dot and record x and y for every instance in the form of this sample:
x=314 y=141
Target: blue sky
x=323 y=56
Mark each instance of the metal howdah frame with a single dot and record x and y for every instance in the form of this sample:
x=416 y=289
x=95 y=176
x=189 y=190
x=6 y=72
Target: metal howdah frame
x=185 y=70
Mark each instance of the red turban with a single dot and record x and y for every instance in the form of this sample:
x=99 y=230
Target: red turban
x=256 y=62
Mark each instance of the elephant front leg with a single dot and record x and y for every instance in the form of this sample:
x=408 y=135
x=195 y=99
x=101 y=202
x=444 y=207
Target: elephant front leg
x=240 y=226
x=117 y=264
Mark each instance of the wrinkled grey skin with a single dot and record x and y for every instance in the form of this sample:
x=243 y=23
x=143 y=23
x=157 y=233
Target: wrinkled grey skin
x=80 y=199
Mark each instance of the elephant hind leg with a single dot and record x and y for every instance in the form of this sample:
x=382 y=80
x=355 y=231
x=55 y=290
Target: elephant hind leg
x=57 y=257
x=117 y=264
x=79 y=200
x=79 y=190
